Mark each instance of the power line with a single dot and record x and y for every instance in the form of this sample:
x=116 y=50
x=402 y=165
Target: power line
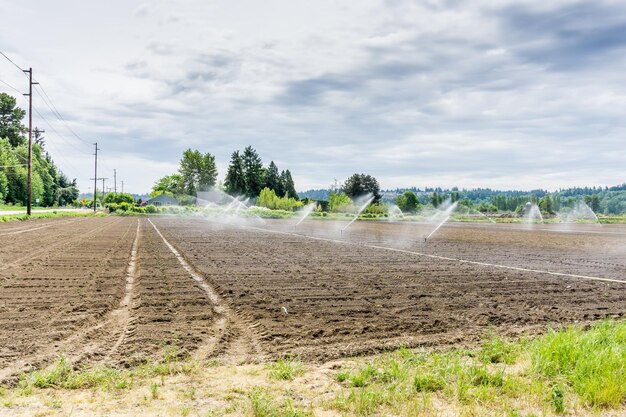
x=105 y=163
x=11 y=61
x=57 y=152
x=11 y=87
x=58 y=134
x=17 y=154
x=48 y=101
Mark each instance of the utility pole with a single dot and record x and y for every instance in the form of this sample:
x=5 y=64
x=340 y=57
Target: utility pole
x=96 y=189
x=122 y=187
x=35 y=132
x=29 y=199
x=115 y=180
x=95 y=179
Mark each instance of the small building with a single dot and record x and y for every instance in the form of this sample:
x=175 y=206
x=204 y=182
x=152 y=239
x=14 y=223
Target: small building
x=162 y=200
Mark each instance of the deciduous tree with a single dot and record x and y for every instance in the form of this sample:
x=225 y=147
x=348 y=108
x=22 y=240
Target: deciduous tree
x=198 y=171
x=11 y=116
x=407 y=202
x=360 y=184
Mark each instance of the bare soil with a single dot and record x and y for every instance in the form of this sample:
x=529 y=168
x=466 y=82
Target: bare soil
x=343 y=297
x=112 y=290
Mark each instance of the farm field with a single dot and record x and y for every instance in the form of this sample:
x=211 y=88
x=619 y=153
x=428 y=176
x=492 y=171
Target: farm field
x=121 y=290
x=357 y=297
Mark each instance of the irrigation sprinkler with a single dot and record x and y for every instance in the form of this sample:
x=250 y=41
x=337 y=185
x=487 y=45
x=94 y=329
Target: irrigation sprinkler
x=361 y=209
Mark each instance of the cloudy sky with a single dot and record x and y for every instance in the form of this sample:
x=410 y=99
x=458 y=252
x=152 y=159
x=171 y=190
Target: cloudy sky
x=519 y=94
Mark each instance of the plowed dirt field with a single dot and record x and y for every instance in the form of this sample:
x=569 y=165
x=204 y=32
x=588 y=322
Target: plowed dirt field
x=120 y=290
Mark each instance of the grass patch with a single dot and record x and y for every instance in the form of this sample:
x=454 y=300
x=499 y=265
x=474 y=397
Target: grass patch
x=571 y=371
x=497 y=350
x=261 y=404
x=48 y=215
x=286 y=369
x=562 y=368
x=63 y=375
x=592 y=362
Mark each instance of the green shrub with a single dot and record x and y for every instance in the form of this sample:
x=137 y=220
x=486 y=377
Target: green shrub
x=270 y=200
x=340 y=203
x=117 y=198
x=376 y=210
x=265 y=213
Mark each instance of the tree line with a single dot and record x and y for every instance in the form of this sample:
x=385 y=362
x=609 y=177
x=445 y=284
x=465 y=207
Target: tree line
x=49 y=185
x=606 y=200
x=246 y=176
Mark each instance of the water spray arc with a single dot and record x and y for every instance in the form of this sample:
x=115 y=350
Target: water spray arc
x=532 y=214
x=446 y=214
x=361 y=209
x=580 y=212
x=305 y=213
x=395 y=213
x=219 y=204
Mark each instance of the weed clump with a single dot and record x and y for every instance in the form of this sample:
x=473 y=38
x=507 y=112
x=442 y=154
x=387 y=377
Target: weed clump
x=592 y=362
x=286 y=369
x=261 y=404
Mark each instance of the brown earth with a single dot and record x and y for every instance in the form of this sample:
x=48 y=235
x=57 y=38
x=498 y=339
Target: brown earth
x=112 y=290
x=343 y=297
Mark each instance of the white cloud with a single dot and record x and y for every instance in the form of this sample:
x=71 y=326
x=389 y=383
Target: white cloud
x=520 y=94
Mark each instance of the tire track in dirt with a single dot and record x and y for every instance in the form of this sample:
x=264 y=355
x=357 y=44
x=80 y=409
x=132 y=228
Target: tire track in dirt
x=122 y=315
x=233 y=339
x=89 y=338
x=102 y=339
x=386 y=294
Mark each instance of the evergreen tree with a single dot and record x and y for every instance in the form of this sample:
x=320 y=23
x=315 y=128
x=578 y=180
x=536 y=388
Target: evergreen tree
x=254 y=173
x=235 y=181
x=434 y=199
x=273 y=180
x=38 y=138
x=289 y=187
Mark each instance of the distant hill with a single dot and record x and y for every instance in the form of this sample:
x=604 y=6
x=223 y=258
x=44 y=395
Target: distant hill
x=612 y=199
x=321 y=194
